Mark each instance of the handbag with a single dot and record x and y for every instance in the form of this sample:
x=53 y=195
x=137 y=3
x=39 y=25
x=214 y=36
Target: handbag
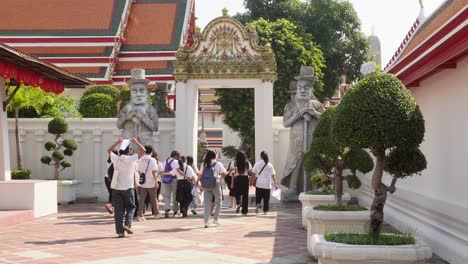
x=254 y=181
x=142 y=179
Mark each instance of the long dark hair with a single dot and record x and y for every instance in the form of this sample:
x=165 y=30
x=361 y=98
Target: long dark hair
x=210 y=155
x=241 y=162
x=190 y=161
x=181 y=163
x=264 y=156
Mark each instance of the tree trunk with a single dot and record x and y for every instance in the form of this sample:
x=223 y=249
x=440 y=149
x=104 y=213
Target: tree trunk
x=380 y=194
x=18 y=150
x=338 y=182
x=57 y=162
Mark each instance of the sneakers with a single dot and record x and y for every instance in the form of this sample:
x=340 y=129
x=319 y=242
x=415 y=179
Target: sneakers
x=166 y=214
x=257 y=209
x=128 y=230
x=238 y=209
x=194 y=212
x=206 y=225
x=141 y=219
x=216 y=223
x=121 y=235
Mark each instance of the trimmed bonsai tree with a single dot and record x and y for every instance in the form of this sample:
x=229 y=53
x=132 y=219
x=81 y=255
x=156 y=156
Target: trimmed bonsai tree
x=330 y=158
x=59 y=126
x=380 y=114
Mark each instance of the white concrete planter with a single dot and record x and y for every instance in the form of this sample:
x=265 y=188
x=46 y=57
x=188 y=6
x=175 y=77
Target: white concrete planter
x=319 y=222
x=66 y=191
x=337 y=253
x=311 y=200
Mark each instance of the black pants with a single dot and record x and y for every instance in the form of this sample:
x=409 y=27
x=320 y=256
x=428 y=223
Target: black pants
x=184 y=195
x=107 y=181
x=263 y=194
x=241 y=187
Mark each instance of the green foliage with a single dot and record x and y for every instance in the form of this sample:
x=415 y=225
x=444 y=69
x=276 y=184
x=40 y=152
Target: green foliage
x=63 y=106
x=379 y=112
x=333 y=25
x=353 y=182
x=28 y=97
x=21 y=174
x=58 y=155
x=366 y=239
x=229 y=151
x=46 y=160
x=70 y=144
x=346 y=207
x=237 y=105
x=317 y=180
x=402 y=162
x=358 y=160
x=293 y=48
x=98 y=105
x=57 y=126
x=320 y=192
x=110 y=90
x=50 y=145
x=65 y=164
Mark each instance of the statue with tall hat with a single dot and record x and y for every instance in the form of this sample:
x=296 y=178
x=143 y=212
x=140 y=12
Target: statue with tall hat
x=138 y=118
x=301 y=115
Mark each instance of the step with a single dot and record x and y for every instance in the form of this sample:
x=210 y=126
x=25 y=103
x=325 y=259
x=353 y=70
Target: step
x=14 y=217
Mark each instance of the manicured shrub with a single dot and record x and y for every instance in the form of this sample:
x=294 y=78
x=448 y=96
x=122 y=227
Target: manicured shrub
x=57 y=126
x=380 y=114
x=20 y=174
x=110 y=90
x=98 y=106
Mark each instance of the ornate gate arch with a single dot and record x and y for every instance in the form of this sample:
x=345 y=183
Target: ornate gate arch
x=224 y=55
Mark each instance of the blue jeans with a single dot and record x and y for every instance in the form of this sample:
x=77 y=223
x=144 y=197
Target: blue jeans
x=123 y=200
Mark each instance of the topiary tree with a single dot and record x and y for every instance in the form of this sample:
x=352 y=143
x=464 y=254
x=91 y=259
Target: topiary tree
x=98 y=105
x=379 y=113
x=110 y=90
x=326 y=155
x=59 y=126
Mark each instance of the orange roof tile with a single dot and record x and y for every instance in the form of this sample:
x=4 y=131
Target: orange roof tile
x=153 y=65
x=84 y=70
x=151 y=24
x=44 y=51
x=58 y=14
x=434 y=22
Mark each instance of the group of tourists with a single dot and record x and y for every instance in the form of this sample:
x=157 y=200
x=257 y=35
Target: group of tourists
x=134 y=182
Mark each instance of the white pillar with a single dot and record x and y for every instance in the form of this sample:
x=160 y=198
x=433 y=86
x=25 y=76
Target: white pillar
x=4 y=145
x=264 y=119
x=186 y=119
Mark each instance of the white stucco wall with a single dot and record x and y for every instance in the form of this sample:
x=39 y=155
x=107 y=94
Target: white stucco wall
x=435 y=204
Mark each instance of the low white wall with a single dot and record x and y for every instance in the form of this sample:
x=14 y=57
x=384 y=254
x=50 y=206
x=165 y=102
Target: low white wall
x=94 y=136
x=435 y=205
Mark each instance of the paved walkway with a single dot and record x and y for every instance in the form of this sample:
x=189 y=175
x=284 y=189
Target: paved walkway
x=84 y=233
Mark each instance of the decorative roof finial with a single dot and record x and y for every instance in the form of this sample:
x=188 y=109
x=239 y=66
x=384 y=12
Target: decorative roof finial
x=225 y=12
x=421 y=15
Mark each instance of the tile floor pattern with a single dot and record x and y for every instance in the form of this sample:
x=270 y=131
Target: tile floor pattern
x=85 y=233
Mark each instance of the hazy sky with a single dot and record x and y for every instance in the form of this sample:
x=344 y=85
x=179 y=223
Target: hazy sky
x=391 y=19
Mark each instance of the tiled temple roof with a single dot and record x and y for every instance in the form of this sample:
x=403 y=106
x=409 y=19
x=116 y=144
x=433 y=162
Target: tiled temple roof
x=100 y=40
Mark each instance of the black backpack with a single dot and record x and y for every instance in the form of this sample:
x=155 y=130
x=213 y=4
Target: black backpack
x=110 y=171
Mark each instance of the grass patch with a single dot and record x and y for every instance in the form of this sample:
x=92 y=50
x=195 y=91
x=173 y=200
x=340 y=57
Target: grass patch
x=320 y=193
x=346 y=207
x=365 y=239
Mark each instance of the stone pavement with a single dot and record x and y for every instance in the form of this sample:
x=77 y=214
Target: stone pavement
x=85 y=233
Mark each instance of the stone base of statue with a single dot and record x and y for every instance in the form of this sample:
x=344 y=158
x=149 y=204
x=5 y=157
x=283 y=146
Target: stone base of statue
x=289 y=195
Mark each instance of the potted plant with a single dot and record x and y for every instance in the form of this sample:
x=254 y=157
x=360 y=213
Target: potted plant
x=333 y=160
x=379 y=114
x=66 y=188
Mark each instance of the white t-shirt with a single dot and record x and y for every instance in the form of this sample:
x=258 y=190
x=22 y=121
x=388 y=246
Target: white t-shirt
x=160 y=170
x=264 y=178
x=148 y=161
x=188 y=171
x=124 y=170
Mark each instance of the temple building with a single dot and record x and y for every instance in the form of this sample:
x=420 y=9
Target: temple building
x=101 y=40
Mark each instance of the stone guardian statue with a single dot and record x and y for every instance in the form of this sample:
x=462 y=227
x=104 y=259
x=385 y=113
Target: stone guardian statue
x=138 y=118
x=301 y=115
